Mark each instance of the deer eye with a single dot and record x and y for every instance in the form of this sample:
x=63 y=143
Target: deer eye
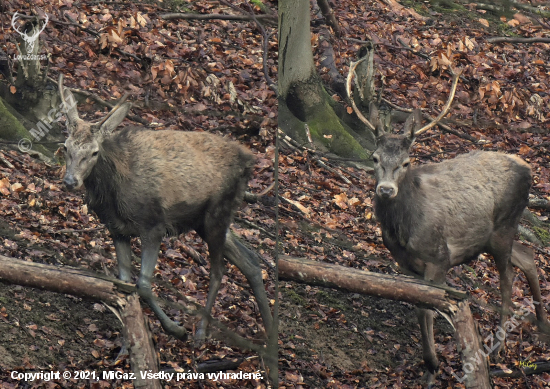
x=95 y=153
x=375 y=159
x=406 y=164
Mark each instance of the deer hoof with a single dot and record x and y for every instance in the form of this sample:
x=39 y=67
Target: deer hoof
x=200 y=337
x=429 y=379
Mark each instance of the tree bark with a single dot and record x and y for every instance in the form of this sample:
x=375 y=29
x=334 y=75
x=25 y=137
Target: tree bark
x=475 y=364
x=401 y=288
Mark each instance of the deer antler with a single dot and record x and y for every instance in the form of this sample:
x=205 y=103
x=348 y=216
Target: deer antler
x=351 y=72
x=456 y=75
x=61 y=88
x=115 y=108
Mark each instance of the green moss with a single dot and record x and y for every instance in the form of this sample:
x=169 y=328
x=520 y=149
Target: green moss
x=295 y=297
x=330 y=300
x=259 y=4
x=12 y=130
x=542 y=234
x=325 y=127
x=446 y=6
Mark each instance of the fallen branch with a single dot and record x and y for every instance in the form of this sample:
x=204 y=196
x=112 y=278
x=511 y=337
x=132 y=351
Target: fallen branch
x=539 y=203
x=506 y=39
x=401 y=288
x=64 y=280
x=189 y=16
x=531 y=368
x=139 y=342
x=297 y=147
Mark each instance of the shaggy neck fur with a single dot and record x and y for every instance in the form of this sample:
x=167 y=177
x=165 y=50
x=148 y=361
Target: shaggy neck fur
x=104 y=181
x=401 y=214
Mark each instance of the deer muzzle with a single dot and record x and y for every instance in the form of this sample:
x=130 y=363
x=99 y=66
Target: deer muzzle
x=70 y=181
x=386 y=190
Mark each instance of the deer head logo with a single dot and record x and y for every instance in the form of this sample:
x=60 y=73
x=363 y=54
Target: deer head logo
x=29 y=39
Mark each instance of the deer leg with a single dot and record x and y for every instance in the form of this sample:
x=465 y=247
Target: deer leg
x=425 y=319
x=217 y=270
x=245 y=260
x=523 y=257
x=150 y=245
x=123 y=257
x=501 y=249
x=436 y=274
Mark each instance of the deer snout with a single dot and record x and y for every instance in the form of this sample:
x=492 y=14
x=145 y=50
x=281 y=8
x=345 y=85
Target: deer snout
x=386 y=191
x=70 y=182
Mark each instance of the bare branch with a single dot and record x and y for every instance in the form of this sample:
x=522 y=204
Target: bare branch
x=352 y=67
x=508 y=39
x=190 y=16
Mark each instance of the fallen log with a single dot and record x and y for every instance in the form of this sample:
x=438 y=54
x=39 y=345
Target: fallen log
x=65 y=280
x=423 y=294
x=140 y=344
x=111 y=291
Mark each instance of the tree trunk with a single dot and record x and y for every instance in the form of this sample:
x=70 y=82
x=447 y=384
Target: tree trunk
x=12 y=130
x=30 y=98
x=302 y=97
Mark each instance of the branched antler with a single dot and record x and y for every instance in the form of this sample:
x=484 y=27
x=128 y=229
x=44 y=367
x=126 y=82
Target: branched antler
x=456 y=75
x=351 y=72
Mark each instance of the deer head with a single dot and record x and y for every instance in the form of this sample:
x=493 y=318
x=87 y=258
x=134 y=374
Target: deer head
x=83 y=146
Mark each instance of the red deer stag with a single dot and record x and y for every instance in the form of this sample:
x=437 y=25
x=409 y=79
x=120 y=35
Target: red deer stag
x=439 y=215
x=152 y=183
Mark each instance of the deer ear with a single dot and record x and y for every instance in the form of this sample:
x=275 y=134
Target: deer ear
x=115 y=118
x=411 y=124
x=374 y=118
x=69 y=107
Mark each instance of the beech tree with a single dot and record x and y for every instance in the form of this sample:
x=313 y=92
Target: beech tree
x=303 y=100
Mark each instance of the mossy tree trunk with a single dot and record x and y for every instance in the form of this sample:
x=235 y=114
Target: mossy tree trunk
x=12 y=130
x=29 y=105
x=302 y=97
